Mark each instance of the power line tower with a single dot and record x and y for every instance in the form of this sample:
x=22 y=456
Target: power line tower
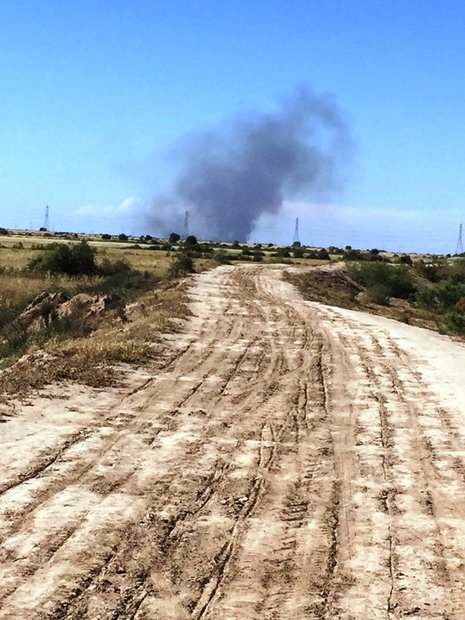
x=46 y=219
x=186 y=224
x=459 y=248
x=296 y=231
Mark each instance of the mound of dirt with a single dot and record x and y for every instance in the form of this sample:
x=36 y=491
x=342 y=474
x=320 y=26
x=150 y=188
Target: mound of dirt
x=329 y=286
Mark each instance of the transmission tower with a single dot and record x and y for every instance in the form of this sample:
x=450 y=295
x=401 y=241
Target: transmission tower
x=186 y=224
x=296 y=231
x=46 y=219
x=459 y=248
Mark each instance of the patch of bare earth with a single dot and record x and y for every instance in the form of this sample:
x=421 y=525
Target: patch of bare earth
x=291 y=461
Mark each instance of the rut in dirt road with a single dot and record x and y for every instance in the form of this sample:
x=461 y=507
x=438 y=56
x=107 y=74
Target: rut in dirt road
x=293 y=461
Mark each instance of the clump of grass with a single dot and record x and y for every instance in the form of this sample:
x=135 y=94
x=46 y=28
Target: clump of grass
x=35 y=371
x=103 y=351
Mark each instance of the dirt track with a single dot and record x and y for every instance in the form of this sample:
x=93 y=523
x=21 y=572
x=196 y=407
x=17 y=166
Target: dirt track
x=293 y=461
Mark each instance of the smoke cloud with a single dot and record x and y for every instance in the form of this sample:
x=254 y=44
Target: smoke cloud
x=228 y=176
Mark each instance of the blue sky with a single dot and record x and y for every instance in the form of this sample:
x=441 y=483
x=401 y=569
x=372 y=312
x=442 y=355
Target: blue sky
x=91 y=92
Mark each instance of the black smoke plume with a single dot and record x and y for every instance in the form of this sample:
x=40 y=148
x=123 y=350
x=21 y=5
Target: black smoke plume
x=230 y=175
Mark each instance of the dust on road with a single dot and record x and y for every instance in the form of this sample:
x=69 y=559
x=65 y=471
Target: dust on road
x=293 y=461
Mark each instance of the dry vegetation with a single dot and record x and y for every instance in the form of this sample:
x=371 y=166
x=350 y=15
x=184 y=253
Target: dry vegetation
x=92 y=350
x=426 y=293
x=98 y=359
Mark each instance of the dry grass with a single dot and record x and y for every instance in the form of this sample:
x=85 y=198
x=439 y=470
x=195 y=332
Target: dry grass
x=65 y=352
x=16 y=288
x=96 y=360
x=156 y=262
x=146 y=257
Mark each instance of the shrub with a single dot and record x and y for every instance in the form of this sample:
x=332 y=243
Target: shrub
x=109 y=268
x=181 y=265
x=125 y=283
x=405 y=259
x=457 y=271
x=221 y=257
x=434 y=271
x=442 y=297
x=382 y=280
x=324 y=254
x=72 y=260
x=174 y=237
x=455 y=322
x=379 y=293
x=353 y=255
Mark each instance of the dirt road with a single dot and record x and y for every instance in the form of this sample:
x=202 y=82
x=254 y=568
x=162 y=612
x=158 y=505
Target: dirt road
x=293 y=461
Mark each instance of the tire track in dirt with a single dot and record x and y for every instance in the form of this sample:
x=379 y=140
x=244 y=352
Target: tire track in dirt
x=242 y=506
x=111 y=486
x=287 y=463
x=410 y=466
x=188 y=396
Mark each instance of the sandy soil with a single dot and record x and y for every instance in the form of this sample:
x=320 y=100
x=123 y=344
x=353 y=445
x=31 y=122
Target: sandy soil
x=293 y=461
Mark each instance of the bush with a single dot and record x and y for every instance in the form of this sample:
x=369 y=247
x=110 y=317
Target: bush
x=174 y=237
x=353 y=255
x=434 y=271
x=405 y=259
x=324 y=254
x=455 y=322
x=442 y=297
x=71 y=260
x=181 y=265
x=457 y=271
x=221 y=257
x=126 y=283
x=109 y=268
x=382 y=280
x=379 y=294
